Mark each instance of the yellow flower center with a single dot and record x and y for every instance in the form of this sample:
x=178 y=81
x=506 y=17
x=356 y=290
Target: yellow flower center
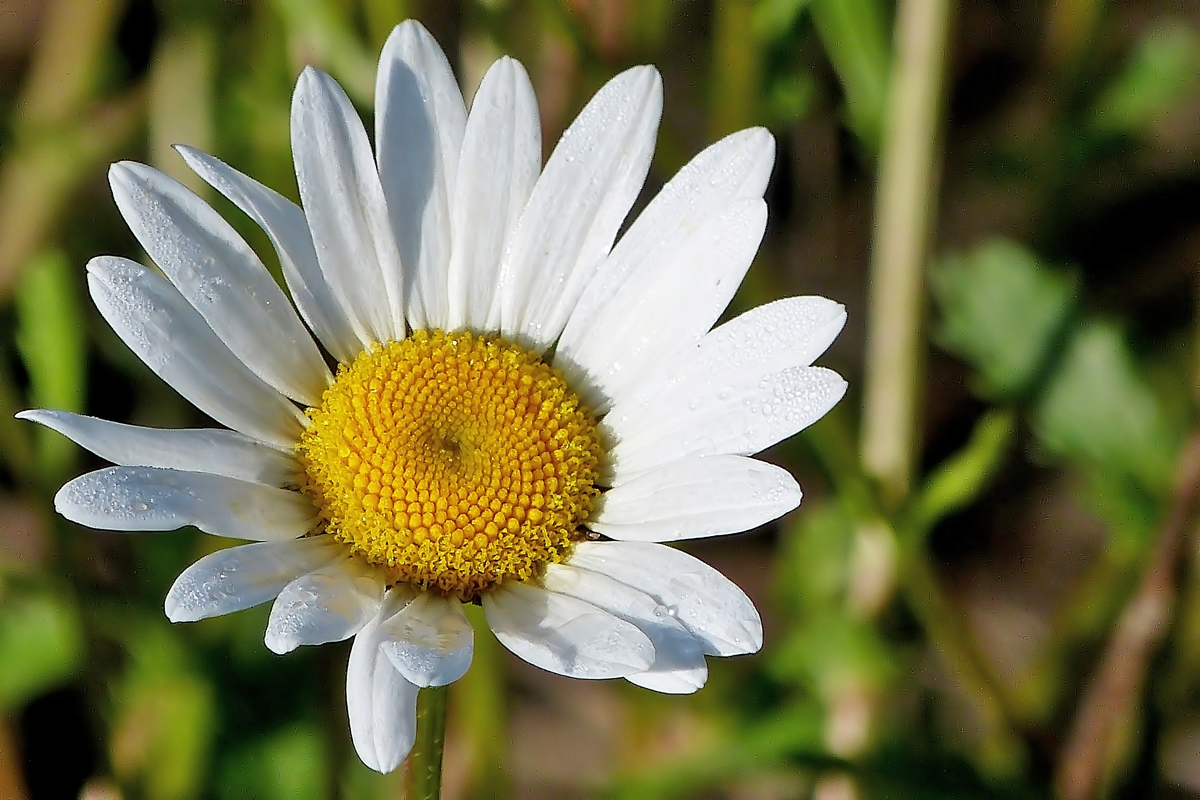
x=452 y=461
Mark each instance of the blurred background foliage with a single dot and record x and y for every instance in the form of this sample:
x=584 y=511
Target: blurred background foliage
x=1011 y=611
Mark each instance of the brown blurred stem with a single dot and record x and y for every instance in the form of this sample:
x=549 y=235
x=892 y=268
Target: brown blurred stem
x=12 y=784
x=1120 y=679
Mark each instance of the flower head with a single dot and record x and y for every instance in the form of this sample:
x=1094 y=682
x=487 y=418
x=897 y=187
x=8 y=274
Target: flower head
x=521 y=414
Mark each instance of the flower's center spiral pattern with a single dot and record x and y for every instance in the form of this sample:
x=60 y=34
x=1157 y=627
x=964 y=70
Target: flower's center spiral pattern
x=453 y=461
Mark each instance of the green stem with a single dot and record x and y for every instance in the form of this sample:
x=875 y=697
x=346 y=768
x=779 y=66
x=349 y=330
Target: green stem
x=905 y=206
x=423 y=778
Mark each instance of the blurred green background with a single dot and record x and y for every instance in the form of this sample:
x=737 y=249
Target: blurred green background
x=1006 y=606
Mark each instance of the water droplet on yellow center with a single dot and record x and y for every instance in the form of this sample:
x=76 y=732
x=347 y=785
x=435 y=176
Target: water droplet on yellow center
x=453 y=461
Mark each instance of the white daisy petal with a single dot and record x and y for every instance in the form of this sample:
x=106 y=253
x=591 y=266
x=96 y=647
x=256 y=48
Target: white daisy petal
x=791 y=332
x=419 y=122
x=565 y=635
x=430 y=641
x=215 y=451
x=345 y=207
x=675 y=303
x=217 y=272
x=152 y=499
x=381 y=703
x=678 y=667
x=501 y=157
x=696 y=497
x=647 y=280
x=719 y=414
x=708 y=604
x=591 y=180
x=684 y=671
x=329 y=604
x=241 y=577
x=175 y=342
x=284 y=222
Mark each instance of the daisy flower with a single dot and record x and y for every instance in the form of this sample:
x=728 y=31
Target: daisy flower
x=521 y=414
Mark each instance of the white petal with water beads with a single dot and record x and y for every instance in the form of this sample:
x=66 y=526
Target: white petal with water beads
x=429 y=640
x=590 y=181
x=212 y=450
x=565 y=635
x=222 y=278
x=241 y=577
x=736 y=166
x=696 y=497
x=678 y=666
x=673 y=304
x=382 y=705
x=501 y=158
x=666 y=272
x=285 y=225
x=152 y=499
x=329 y=604
x=345 y=207
x=711 y=415
x=708 y=604
x=419 y=122
x=153 y=319
x=791 y=332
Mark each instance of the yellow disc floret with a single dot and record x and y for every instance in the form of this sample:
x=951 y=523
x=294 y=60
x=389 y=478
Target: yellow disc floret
x=452 y=461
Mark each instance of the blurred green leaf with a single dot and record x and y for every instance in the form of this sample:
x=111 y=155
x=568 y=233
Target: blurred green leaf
x=180 y=105
x=51 y=339
x=1098 y=408
x=359 y=782
x=163 y=733
x=789 y=97
x=164 y=711
x=383 y=15
x=856 y=38
x=41 y=643
x=736 y=85
x=38 y=178
x=832 y=650
x=811 y=571
x=1131 y=513
x=1162 y=72
x=16 y=447
x=327 y=38
x=774 y=18
x=1004 y=312
x=794 y=735
x=833 y=440
x=290 y=765
x=962 y=478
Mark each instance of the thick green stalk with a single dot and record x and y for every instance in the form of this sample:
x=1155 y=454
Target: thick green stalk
x=423 y=778
x=904 y=210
